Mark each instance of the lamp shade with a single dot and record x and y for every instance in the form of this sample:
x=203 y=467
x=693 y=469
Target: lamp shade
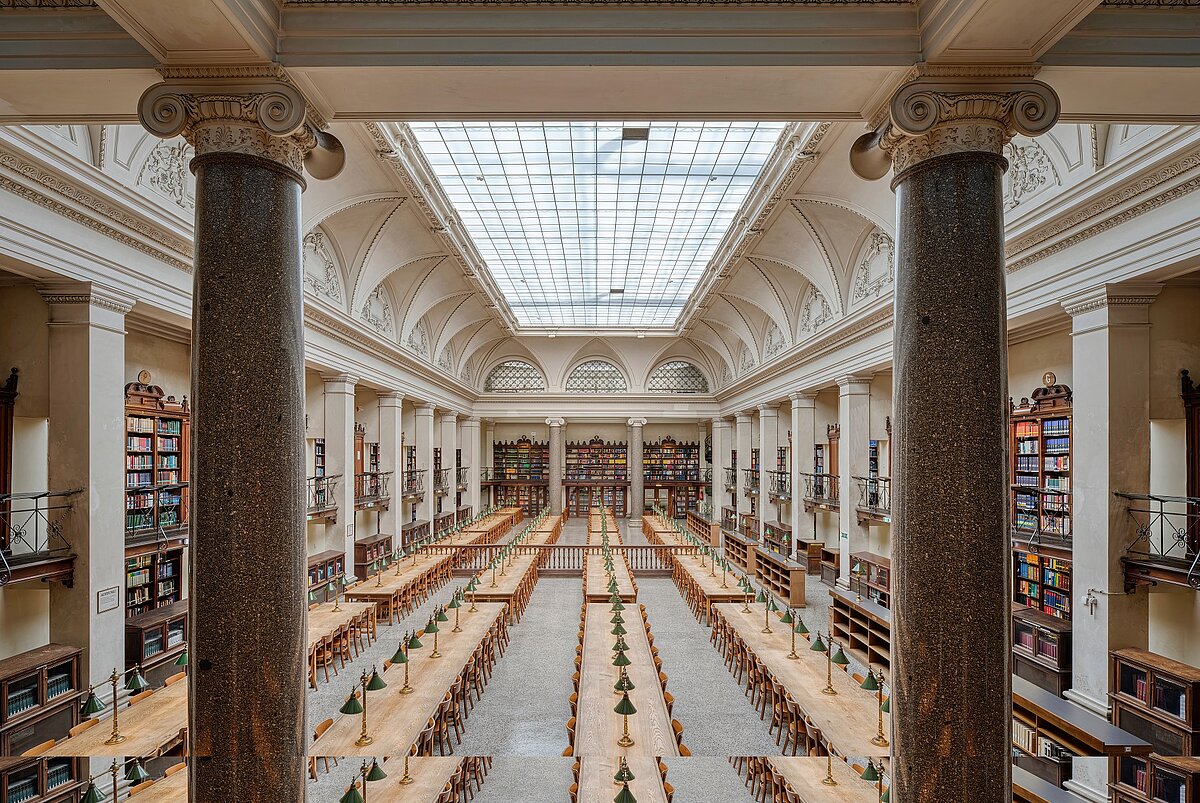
x=352 y=795
x=623 y=774
x=431 y=627
x=352 y=706
x=92 y=704
x=787 y=617
x=818 y=645
x=870 y=683
x=761 y=598
x=414 y=641
x=617 y=619
x=401 y=655
x=887 y=705
x=624 y=706
x=182 y=660
x=312 y=597
x=620 y=646
x=621 y=660
x=870 y=773
x=441 y=615
x=623 y=682
x=375 y=683
x=840 y=658
x=800 y=627
x=375 y=773
x=887 y=796
x=136 y=683
x=619 y=630
x=136 y=773
x=471 y=586
x=454 y=603
x=92 y=794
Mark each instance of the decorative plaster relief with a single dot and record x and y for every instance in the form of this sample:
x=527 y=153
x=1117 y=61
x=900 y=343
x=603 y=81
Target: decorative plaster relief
x=876 y=270
x=377 y=312
x=815 y=312
x=747 y=362
x=1029 y=172
x=418 y=340
x=775 y=341
x=166 y=172
x=320 y=271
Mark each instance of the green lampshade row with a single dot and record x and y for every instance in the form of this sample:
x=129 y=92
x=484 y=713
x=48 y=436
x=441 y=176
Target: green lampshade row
x=624 y=706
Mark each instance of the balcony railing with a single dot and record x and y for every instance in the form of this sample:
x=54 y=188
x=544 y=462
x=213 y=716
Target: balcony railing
x=751 y=481
x=821 y=490
x=371 y=488
x=463 y=476
x=729 y=519
x=706 y=476
x=414 y=482
x=32 y=543
x=874 y=497
x=1167 y=547
x=731 y=479
x=321 y=490
x=779 y=485
x=441 y=480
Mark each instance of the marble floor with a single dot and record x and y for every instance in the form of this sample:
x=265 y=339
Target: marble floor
x=520 y=720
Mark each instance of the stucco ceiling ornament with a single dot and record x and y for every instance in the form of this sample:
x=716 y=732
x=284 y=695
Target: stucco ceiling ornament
x=320 y=271
x=166 y=172
x=1029 y=170
x=775 y=341
x=815 y=312
x=377 y=312
x=876 y=269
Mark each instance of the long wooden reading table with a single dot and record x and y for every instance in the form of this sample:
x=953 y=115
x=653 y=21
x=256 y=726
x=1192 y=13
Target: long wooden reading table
x=398 y=591
x=150 y=727
x=597 y=725
x=595 y=579
x=848 y=720
x=596 y=779
x=804 y=778
x=326 y=623
x=596 y=527
x=396 y=720
x=699 y=583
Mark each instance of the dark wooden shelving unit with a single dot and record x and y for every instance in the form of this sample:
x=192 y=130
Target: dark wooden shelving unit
x=520 y=474
x=155 y=639
x=39 y=695
x=830 y=565
x=41 y=780
x=157 y=448
x=871 y=576
x=808 y=553
x=322 y=568
x=1042 y=649
x=780 y=575
x=597 y=475
x=1040 y=428
x=701 y=527
x=778 y=537
x=1158 y=699
x=153 y=578
x=741 y=552
x=672 y=475
x=414 y=531
x=862 y=628
x=369 y=550
x=1156 y=779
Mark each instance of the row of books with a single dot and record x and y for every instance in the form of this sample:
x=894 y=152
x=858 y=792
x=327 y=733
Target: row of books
x=1056 y=426
x=1027 y=447
x=1057 y=464
x=1027 y=463
x=1026 y=429
x=1058 y=445
x=1060 y=580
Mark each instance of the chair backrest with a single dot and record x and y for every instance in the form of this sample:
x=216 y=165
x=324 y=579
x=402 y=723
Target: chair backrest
x=133 y=790
x=82 y=726
x=174 y=768
x=38 y=749
x=178 y=676
x=142 y=695
x=321 y=728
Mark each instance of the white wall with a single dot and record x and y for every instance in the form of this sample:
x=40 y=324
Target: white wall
x=168 y=361
x=25 y=610
x=1030 y=359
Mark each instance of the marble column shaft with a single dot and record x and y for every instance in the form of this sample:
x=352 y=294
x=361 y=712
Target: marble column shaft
x=423 y=440
x=554 y=490
x=391 y=427
x=339 y=460
x=743 y=444
x=637 y=476
x=722 y=438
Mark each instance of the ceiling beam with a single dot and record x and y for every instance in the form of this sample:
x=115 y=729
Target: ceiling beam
x=217 y=32
x=987 y=32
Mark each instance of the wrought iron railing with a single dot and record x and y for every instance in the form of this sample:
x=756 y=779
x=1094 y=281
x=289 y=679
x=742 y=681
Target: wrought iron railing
x=706 y=476
x=371 y=486
x=729 y=519
x=1168 y=532
x=730 y=479
x=31 y=529
x=821 y=487
x=414 y=482
x=463 y=476
x=563 y=557
x=751 y=480
x=874 y=494
x=779 y=484
x=321 y=492
x=441 y=480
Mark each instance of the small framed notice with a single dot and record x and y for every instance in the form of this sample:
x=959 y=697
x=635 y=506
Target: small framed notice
x=108 y=598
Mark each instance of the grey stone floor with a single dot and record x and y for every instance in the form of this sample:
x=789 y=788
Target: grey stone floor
x=521 y=718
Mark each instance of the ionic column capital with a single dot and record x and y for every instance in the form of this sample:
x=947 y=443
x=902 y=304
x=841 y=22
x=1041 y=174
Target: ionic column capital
x=939 y=115
x=637 y=422
x=265 y=119
x=556 y=422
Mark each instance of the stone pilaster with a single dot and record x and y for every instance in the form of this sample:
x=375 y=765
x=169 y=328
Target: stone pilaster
x=1110 y=451
x=637 y=476
x=854 y=418
x=87 y=428
x=554 y=491
x=252 y=138
x=471 y=459
x=951 y=552
x=804 y=424
x=339 y=459
x=743 y=443
x=768 y=443
x=449 y=446
x=391 y=428
x=722 y=443
x=489 y=455
x=423 y=439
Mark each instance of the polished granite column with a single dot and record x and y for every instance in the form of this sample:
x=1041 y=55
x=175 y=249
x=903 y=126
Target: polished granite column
x=637 y=475
x=951 y=703
x=246 y=717
x=555 y=489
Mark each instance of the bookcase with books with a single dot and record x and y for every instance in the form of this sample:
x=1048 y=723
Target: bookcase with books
x=1042 y=582
x=1042 y=649
x=1158 y=699
x=39 y=696
x=1040 y=427
x=153 y=579
x=1156 y=779
x=157 y=443
x=673 y=470
x=597 y=461
x=530 y=498
x=41 y=780
x=522 y=460
x=583 y=497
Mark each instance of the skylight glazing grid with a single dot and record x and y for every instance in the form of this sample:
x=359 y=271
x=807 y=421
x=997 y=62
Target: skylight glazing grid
x=564 y=213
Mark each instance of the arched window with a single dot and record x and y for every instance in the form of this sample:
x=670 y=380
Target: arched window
x=514 y=376
x=677 y=376
x=596 y=376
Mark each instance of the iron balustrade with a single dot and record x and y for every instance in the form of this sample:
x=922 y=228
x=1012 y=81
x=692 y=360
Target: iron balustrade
x=1030 y=523
x=321 y=492
x=751 y=480
x=730 y=479
x=474 y=558
x=706 y=476
x=31 y=531
x=414 y=482
x=441 y=480
x=779 y=484
x=1168 y=533
x=371 y=486
x=821 y=487
x=463 y=476
x=485 y=474
x=874 y=494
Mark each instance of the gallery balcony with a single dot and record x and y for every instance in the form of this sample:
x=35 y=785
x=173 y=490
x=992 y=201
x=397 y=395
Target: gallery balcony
x=874 y=500
x=821 y=492
x=1167 y=546
x=322 y=504
x=779 y=486
x=33 y=544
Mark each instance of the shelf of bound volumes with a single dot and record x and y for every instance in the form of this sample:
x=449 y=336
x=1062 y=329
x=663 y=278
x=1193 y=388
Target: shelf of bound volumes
x=157 y=443
x=1040 y=428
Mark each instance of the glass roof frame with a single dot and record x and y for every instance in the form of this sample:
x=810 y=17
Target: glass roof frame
x=565 y=213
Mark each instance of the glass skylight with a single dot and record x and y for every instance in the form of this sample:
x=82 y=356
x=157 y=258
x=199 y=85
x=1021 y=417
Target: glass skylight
x=596 y=224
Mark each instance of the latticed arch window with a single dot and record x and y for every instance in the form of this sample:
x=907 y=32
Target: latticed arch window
x=596 y=376
x=514 y=376
x=677 y=376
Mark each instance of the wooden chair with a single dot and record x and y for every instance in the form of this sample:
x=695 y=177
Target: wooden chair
x=82 y=726
x=142 y=695
x=133 y=790
x=178 y=676
x=312 y=762
x=180 y=767
x=38 y=749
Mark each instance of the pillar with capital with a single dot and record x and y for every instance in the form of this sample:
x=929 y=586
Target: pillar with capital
x=721 y=444
x=944 y=138
x=637 y=476
x=743 y=445
x=423 y=440
x=253 y=138
x=471 y=459
x=768 y=443
x=340 y=460
x=554 y=490
x=391 y=427
x=804 y=410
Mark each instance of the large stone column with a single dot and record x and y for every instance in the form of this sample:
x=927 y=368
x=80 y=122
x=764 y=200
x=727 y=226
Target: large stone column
x=423 y=439
x=854 y=417
x=722 y=442
x=804 y=423
x=246 y=719
x=471 y=459
x=557 y=456
x=768 y=442
x=391 y=427
x=637 y=476
x=87 y=429
x=1110 y=451
x=339 y=459
x=743 y=443
x=449 y=445
x=951 y=551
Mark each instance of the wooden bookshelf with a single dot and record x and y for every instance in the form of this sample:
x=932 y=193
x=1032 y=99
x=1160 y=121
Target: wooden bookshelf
x=1043 y=582
x=862 y=628
x=41 y=780
x=784 y=577
x=153 y=579
x=777 y=536
x=530 y=498
x=808 y=553
x=157 y=444
x=369 y=550
x=155 y=639
x=443 y=522
x=873 y=578
x=741 y=552
x=729 y=519
x=583 y=497
x=323 y=567
x=748 y=525
x=673 y=469
x=39 y=696
x=701 y=527
x=1158 y=699
x=597 y=461
x=462 y=514
x=521 y=460
x=1040 y=428
x=414 y=531
x=1156 y=779
x=830 y=565
x=1042 y=649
